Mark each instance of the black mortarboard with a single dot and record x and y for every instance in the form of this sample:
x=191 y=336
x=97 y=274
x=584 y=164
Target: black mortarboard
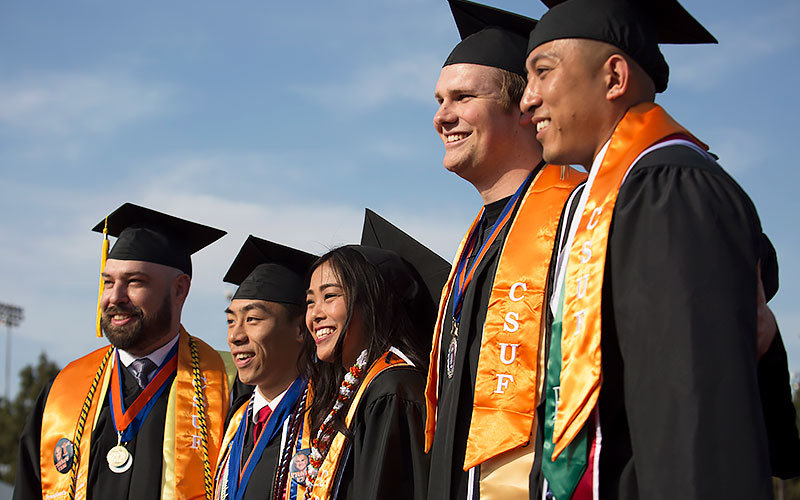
x=380 y=233
x=269 y=271
x=635 y=26
x=151 y=236
x=490 y=37
x=417 y=277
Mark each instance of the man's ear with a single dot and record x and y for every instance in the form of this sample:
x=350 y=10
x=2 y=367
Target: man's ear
x=181 y=286
x=617 y=73
x=300 y=330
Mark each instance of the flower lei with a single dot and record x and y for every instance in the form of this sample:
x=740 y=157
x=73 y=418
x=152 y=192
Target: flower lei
x=321 y=443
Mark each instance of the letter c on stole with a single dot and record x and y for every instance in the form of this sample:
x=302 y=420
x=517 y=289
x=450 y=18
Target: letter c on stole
x=592 y=219
x=513 y=296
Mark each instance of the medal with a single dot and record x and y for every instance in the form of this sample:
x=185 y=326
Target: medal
x=119 y=458
x=128 y=421
x=451 y=351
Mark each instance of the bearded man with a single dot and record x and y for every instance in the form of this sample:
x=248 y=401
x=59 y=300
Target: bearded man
x=143 y=417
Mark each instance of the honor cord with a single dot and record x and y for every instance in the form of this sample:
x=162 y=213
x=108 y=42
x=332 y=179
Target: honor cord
x=198 y=394
x=87 y=405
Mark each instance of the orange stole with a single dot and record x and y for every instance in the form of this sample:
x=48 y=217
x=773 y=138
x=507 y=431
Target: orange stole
x=224 y=450
x=62 y=410
x=330 y=466
x=188 y=463
x=67 y=396
x=507 y=381
x=581 y=366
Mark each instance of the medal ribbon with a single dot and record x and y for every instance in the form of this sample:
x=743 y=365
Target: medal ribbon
x=128 y=422
x=463 y=275
x=237 y=482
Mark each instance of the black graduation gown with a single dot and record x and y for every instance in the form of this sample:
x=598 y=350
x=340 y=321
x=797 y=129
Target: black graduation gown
x=773 y=381
x=680 y=405
x=386 y=459
x=142 y=480
x=448 y=479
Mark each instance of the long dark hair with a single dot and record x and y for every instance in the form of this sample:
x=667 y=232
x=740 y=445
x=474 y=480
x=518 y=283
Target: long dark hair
x=385 y=323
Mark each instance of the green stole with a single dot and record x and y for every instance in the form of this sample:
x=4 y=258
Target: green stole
x=565 y=472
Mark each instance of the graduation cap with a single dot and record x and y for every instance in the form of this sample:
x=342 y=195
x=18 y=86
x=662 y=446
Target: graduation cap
x=490 y=36
x=635 y=26
x=380 y=233
x=269 y=271
x=415 y=272
x=150 y=236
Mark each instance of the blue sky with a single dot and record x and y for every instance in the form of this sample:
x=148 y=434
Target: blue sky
x=285 y=120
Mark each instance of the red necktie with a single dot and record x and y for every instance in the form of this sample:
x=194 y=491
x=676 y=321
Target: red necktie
x=263 y=415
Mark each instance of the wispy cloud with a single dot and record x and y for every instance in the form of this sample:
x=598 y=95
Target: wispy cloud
x=50 y=265
x=79 y=103
x=398 y=81
x=769 y=31
x=739 y=150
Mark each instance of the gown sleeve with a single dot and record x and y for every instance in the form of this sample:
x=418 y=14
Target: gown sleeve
x=387 y=458
x=779 y=412
x=28 y=480
x=684 y=246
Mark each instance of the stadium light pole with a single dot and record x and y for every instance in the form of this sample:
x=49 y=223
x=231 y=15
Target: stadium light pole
x=11 y=316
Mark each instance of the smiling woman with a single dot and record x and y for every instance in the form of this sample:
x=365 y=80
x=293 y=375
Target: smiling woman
x=368 y=410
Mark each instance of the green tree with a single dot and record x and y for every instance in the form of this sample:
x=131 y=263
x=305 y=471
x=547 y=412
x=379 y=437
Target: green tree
x=14 y=413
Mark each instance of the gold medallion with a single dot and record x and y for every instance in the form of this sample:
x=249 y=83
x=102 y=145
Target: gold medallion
x=119 y=459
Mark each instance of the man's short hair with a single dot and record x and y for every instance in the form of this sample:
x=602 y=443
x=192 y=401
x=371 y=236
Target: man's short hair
x=512 y=86
x=294 y=311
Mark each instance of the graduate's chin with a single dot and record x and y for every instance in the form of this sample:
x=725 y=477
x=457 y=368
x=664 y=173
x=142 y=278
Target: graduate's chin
x=126 y=336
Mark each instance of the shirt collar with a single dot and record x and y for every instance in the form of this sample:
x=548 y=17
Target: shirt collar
x=158 y=356
x=259 y=401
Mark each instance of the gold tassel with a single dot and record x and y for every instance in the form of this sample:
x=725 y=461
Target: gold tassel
x=103 y=257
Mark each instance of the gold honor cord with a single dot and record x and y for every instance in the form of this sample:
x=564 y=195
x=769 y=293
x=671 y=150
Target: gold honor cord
x=103 y=258
x=198 y=395
x=87 y=405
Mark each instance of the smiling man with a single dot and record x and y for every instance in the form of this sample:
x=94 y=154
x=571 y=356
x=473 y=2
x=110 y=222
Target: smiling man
x=265 y=335
x=125 y=421
x=652 y=356
x=484 y=374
